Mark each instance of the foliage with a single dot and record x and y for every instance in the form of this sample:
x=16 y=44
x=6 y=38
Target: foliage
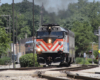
x=27 y=60
x=95 y=53
x=95 y=61
x=78 y=60
x=4 y=60
x=85 y=62
x=82 y=61
x=89 y=60
x=82 y=35
x=4 y=41
x=82 y=17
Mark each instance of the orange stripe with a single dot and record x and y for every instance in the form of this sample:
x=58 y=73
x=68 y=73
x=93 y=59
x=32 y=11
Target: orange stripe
x=43 y=47
x=38 y=47
x=60 y=47
x=55 y=47
x=46 y=44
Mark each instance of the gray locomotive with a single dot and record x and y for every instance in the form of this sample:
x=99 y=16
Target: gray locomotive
x=55 y=44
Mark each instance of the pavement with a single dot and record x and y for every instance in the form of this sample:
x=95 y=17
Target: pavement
x=9 y=66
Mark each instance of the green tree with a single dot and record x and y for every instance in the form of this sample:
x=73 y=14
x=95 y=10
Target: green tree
x=83 y=35
x=4 y=41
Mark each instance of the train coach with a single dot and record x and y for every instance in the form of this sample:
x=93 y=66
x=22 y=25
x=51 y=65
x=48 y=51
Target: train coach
x=29 y=47
x=55 y=44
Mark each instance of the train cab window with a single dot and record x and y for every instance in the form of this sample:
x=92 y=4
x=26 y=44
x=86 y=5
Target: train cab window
x=65 y=33
x=28 y=45
x=58 y=34
x=42 y=33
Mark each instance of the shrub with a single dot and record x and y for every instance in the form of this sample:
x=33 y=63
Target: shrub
x=4 y=60
x=27 y=60
x=78 y=60
x=95 y=61
x=81 y=61
x=89 y=60
x=85 y=62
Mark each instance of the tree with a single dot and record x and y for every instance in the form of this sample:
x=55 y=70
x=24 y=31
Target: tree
x=83 y=35
x=4 y=41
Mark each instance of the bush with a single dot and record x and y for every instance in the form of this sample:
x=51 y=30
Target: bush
x=81 y=61
x=89 y=60
x=4 y=60
x=27 y=60
x=78 y=60
x=95 y=61
x=86 y=62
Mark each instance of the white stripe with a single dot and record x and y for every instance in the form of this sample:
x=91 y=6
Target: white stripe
x=54 y=46
x=44 y=46
x=41 y=48
x=57 y=48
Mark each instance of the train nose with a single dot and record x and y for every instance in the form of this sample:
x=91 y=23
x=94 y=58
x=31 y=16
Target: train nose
x=49 y=58
x=49 y=40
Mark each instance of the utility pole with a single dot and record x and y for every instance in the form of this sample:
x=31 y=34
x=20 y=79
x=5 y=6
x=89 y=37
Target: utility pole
x=92 y=53
x=16 y=38
x=13 y=32
x=33 y=37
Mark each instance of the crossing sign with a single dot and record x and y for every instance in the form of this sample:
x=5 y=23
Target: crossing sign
x=99 y=51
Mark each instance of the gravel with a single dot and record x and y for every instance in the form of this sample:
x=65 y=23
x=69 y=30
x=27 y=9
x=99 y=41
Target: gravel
x=21 y=78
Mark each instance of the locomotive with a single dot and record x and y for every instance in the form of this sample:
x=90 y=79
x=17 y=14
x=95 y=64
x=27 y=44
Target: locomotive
x=55 y=44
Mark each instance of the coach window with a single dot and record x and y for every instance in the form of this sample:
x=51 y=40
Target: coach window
x=65 y=33
x=26 y=45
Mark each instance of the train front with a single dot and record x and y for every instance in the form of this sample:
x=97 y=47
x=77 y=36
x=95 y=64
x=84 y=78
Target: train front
x=49 y=46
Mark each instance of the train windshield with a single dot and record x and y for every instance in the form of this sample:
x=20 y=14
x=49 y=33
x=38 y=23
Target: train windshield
x=28 y=45
x=46 y=33
x=57 y=33
x=42 y=33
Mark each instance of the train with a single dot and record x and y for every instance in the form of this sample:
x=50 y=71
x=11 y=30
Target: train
x=55 y=44
x=29 y=47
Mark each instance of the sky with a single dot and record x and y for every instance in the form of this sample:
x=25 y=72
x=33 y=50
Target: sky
x=16 y=1
x=49 y=5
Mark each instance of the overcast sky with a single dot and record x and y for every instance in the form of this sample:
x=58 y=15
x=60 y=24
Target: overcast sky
x=50 y=5
x=54 y=1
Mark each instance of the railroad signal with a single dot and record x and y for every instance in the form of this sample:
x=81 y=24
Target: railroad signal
x=90 y=51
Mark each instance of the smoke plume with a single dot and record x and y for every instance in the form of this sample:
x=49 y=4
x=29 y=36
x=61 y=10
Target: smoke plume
x=54 y=5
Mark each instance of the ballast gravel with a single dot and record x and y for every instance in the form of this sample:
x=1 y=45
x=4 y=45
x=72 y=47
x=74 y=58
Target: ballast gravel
x=21 y=78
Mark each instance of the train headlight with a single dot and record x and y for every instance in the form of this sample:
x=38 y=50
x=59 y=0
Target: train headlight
x=38 y=49
x=49 y=40
x=49 y=27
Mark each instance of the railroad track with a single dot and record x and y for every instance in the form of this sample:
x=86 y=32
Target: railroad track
x=67 y=73
x=77 y=68
x=29 y=68
x=59 y=73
